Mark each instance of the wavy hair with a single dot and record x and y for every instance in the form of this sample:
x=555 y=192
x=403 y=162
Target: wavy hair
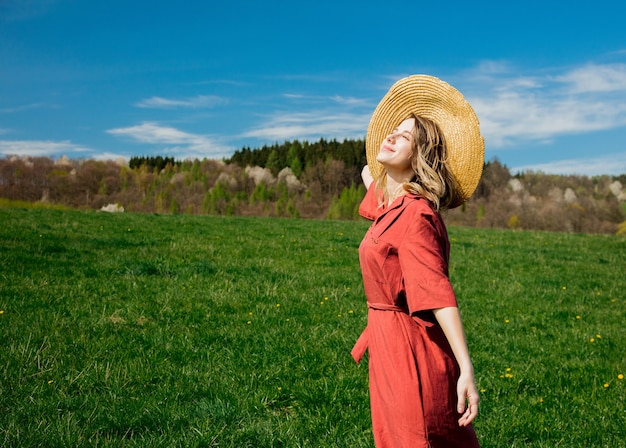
x=432 y=178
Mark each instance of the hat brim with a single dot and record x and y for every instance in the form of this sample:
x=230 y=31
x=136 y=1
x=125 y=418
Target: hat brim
x=432 y=98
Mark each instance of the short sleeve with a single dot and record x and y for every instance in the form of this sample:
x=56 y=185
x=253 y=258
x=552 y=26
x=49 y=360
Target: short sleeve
x=423 y=257
x=368 y=208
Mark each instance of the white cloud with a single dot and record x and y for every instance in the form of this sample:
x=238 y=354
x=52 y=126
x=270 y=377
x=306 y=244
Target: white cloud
x=610 y=164
x=544 y=106
x=175 y=142
x=514 y=106
x=294 y=96
x=596 y=78
x=40 y=148
x=311 y=125
x=24 y=107
x=197 y=102
x=349 y=101
x=342 y=100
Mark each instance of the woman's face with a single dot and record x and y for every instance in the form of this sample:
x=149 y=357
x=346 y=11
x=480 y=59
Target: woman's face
x=396 y=150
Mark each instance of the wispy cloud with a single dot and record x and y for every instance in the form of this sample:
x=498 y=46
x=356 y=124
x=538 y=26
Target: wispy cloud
x=540 y=107
x=338 y=99
x=311 y=125
x=7 y=110
x=595 y=78
x=611 y=164
x=514 y=106
x=226 y=82
x=347 y=100
x=174 y=142
x=40 y=148
x=197 y=102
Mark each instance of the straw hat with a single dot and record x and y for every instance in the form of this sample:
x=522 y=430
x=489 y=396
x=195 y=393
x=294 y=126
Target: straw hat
x=432 y=98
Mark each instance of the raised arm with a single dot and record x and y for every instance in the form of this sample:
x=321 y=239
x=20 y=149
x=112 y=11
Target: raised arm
x=367 y=177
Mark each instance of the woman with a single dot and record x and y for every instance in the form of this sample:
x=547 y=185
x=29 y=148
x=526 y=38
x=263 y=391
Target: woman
x=422 y=387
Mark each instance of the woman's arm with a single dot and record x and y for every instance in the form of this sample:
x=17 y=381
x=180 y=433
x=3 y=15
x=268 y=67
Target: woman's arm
x=449 y=319
x=367 y=177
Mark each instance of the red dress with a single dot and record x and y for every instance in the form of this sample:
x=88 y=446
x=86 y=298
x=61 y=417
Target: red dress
x=412 y=370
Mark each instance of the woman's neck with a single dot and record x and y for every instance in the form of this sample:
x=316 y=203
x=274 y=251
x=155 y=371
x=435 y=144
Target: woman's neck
x=394 y=188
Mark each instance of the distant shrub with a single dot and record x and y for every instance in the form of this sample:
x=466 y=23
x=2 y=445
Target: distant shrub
x=311 y=180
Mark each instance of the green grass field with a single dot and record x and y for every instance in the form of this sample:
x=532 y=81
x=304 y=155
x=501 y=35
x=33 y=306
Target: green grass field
x=194 y=331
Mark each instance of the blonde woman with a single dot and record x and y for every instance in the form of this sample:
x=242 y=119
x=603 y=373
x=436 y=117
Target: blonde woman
x=425 y=155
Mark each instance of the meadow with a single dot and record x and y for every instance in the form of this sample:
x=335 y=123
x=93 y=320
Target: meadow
x=147 y=330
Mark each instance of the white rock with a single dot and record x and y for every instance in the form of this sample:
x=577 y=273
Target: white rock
x=569 y=196
x=516 y=185
x=287 y=176
x=112 y=208
x=616 y=188
x=260 y=175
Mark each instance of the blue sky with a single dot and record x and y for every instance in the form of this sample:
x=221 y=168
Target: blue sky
x=195 y=79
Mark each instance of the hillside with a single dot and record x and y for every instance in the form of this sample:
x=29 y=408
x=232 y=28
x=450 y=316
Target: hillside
x=299 y=179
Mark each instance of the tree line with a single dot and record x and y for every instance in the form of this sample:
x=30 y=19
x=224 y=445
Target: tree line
x=319 y=180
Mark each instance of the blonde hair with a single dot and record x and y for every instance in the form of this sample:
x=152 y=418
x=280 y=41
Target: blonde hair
x=432 y=178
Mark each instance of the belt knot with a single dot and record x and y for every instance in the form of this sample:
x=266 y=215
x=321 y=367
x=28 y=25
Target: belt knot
x=387 y=307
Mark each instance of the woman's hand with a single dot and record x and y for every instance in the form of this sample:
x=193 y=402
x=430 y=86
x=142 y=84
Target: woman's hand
x=468 y=398
x=450 y=321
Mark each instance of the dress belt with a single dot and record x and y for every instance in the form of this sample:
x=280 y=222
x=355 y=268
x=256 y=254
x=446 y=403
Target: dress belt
x=361 y=344
x=387 y=307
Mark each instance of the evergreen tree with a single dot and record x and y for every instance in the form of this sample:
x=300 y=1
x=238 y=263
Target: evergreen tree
x=273 y=163
x=293 y=160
